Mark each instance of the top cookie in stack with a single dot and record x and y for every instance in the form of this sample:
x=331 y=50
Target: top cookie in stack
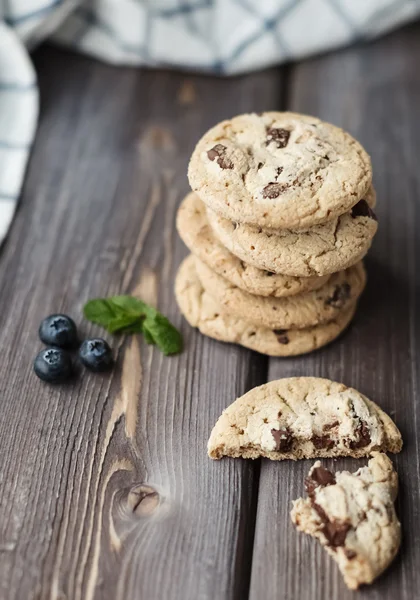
x=283 y=201
x=279 y=170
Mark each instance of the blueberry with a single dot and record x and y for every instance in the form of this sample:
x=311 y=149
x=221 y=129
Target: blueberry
x=96 y=355
x=58 y=330
x=53 y=365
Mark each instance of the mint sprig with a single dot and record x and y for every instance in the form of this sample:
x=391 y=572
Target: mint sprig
x=129 y=315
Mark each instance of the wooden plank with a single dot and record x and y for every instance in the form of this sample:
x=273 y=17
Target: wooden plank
x=106 y=490
x=374 y=92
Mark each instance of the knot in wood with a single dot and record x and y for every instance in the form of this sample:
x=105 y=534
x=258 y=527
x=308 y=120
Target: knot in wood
x=142 y=500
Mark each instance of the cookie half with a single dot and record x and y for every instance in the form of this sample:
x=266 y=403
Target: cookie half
x=201 y=311
x=319 y=250
x=353 y=517
x=302 y=417
x=293 y=312
x=196 y=233
x=279 y=170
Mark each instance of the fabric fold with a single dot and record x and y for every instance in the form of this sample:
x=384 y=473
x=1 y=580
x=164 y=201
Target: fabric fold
x=214 y=36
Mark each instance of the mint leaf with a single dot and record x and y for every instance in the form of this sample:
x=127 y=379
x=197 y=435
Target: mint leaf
x=129 y=304
x=125 y=323
x=147 y=336
x=129 y=315
x=101 y=311
x=164 y=334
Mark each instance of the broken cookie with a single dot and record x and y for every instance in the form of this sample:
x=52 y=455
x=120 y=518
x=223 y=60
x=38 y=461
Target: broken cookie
x=303 y=417
x=353 y=517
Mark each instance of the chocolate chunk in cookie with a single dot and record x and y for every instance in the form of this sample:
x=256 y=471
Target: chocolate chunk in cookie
x=278 y=136
x=281 y=335
x=218 y=153
x=362 y=209
x=283 y=439
x=322 y=441
x=340 y=296
x=335 y=532
x=274 y=189
x=318 y=476
x=363 y=436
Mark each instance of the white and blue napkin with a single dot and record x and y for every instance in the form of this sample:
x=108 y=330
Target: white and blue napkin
x=216 y=36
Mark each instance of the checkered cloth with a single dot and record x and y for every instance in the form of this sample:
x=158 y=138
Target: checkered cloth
x=218 y=36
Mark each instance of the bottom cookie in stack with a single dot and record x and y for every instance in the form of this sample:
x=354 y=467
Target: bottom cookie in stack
x=202 y=311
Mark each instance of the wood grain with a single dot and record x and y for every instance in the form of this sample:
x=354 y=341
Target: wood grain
x=107 y=491
x=374 y=92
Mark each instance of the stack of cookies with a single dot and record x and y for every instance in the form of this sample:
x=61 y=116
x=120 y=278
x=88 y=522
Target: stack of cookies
x=278 y=223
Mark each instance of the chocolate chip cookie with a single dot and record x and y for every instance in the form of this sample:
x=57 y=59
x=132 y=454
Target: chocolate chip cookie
x=293 y=312
x=353 y=517
x=195 y=231
x=279 y=170
x=319 y=250
x=302 y=417
x=202 y=311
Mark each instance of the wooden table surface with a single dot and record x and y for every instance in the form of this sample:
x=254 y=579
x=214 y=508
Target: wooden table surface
x=106 y=491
